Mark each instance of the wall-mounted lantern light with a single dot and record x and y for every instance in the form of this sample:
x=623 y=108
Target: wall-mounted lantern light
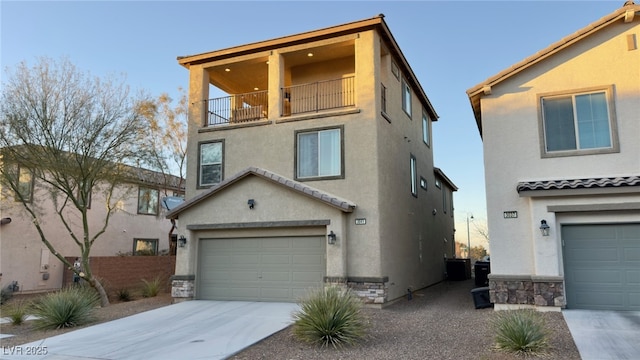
x=251 y=203
x=182 y=241
x=544 y=228
x=331 y=238
x=5 y=221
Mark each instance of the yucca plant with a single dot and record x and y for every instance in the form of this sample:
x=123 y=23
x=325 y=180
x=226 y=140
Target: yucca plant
x=330 y=316
x=68 y=307
x=17 y=312
x=520 y=331
x=151 y=288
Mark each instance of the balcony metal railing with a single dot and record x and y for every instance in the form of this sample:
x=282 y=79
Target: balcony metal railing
x=322 y=95
x=237 y=108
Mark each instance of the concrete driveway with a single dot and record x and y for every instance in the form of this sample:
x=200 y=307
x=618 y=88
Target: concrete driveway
x=196 y=329
x=603 y=335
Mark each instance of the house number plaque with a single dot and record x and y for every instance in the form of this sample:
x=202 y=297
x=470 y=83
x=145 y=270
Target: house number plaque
x=361 y=221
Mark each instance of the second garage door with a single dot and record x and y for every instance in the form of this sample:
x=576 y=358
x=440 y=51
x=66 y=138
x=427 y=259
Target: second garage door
x=260 y=269
x=602 y=266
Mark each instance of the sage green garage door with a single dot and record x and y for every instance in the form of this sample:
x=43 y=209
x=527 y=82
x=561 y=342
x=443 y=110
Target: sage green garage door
x=602 y=266
x=260 y=269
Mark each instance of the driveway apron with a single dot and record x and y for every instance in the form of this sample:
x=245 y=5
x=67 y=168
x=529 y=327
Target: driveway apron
x=603 y=335
x=196 y=329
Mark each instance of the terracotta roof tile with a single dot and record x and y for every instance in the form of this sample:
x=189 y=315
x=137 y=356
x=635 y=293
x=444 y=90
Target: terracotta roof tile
x=604 y=182
x=320 y=195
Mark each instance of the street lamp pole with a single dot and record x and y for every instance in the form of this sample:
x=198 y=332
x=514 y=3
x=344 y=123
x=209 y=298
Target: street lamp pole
x=468 y=237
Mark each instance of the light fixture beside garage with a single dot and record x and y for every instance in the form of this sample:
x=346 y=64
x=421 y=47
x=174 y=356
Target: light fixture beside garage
x=182 y=241
x=331 y=238
x=544 y=228
x=251 y=203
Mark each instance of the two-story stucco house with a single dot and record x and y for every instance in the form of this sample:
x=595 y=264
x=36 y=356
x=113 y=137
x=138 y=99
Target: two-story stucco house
x=316 y=169
x=136 y=226
x=561 y=137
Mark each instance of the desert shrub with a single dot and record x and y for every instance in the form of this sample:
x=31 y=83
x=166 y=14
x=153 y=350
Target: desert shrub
x=124 y=294
x=520 y=331
x=330 y=316
x=151 y=288
x=17 y=312
x=68 y=307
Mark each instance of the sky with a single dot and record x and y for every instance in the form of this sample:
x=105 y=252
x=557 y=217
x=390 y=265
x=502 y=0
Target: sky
x=450 y=45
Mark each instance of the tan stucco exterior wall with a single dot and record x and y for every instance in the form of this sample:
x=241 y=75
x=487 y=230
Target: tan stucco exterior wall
x=24 y=257
x=511 y=137
x=401 y=240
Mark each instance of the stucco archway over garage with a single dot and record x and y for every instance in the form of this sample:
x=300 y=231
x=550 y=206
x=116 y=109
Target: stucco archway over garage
x=272 y=250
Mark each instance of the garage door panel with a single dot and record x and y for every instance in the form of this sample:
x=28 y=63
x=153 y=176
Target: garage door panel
x=600 y=300
x=591 y=276
x=276 y=276
x=631 y=253
x=306 y=276
x=602 y=266
x=260 y=269
x=280 y=259
x=276 y=243
x=311 y=260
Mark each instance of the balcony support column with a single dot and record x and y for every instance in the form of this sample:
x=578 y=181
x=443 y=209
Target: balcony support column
x=276 y=82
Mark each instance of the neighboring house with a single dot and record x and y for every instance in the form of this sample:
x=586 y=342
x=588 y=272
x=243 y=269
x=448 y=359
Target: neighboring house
x=316 y=169
x=561 y=137
x=138 y=226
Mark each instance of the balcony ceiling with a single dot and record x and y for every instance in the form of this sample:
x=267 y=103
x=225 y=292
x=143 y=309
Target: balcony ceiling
x=252 y=75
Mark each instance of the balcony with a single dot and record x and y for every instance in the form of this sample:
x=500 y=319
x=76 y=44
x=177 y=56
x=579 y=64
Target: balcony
x=238 y=108
x=298 y=99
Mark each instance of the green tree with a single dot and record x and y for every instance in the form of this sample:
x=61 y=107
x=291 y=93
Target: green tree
x=74 y=134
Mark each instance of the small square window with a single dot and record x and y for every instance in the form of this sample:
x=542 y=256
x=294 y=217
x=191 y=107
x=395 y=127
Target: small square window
x=438 y=184
x=423 y=183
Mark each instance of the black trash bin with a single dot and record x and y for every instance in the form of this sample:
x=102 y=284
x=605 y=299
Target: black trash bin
x=458 y=269
x=482 y=270
x=481 y=297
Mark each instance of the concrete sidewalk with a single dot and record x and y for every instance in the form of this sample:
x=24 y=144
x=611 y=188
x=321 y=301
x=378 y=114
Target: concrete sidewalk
x=196 y=329
x=603 y=335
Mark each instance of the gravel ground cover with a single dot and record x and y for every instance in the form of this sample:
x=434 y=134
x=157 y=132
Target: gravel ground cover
x=440 y=322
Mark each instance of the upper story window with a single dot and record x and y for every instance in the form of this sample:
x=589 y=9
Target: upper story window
x=426 y=130
x=25 y=185
x=414 y=176
x=406 y=97
x=210 y=163
x=578 y=123
x=319 y=154
x=148 y=201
